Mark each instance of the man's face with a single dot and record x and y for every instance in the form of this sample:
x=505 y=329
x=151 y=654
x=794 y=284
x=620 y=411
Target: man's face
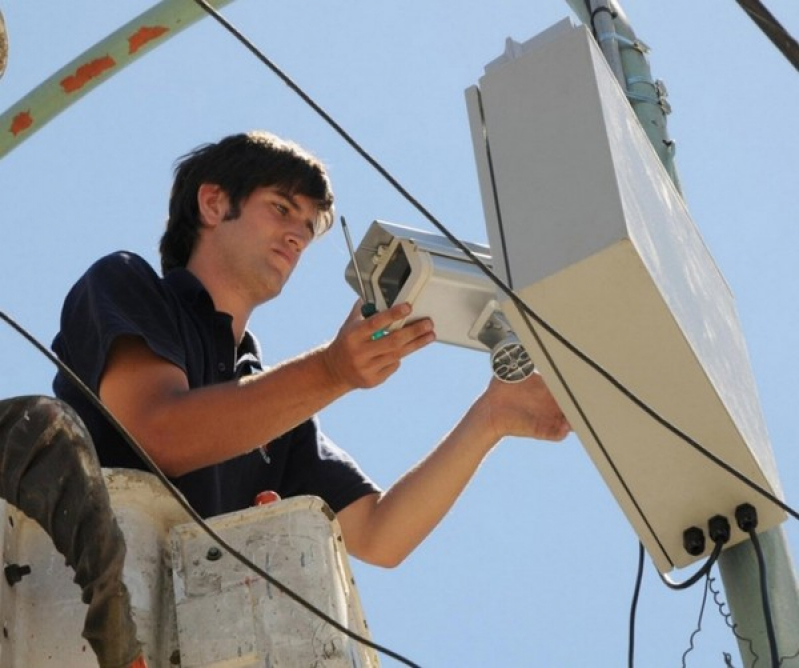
x=264 y=243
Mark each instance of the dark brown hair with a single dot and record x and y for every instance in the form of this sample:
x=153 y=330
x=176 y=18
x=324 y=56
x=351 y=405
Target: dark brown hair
x=240 y=164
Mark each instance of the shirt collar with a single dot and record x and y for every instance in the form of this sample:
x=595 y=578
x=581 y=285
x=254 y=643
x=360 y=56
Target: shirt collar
x=189 y=288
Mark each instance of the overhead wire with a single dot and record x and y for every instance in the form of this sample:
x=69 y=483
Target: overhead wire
x=518 y=302
x=167 y=483
x=773 y=29
x=526 y=312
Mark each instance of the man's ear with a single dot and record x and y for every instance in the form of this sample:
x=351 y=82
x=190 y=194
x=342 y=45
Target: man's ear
x=212 y=203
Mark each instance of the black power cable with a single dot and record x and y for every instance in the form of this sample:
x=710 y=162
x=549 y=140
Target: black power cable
x=133 y=444
x=696 y=577
x=525 y=312
x=746 y=518
x=761 y=568
x=634 y=605
x=518 y=302
x=773 y=29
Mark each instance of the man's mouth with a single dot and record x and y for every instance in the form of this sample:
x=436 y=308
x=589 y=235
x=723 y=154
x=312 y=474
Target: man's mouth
x=288 y=257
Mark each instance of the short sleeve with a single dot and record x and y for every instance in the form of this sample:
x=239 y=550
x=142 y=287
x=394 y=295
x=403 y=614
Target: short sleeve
x=119 y=295
x=319 y=467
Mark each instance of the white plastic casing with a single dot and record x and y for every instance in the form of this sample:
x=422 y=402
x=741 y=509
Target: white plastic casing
x=587 y=227
x=401 y=264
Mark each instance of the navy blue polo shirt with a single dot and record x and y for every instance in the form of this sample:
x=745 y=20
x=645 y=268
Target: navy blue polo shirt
x=175 y=316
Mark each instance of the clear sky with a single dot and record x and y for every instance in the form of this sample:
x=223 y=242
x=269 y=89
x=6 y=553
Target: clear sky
x=536 y=564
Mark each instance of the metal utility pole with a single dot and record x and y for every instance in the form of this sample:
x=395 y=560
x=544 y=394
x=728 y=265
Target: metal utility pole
x=738 y=565
x=739 y=571
x=626 y=55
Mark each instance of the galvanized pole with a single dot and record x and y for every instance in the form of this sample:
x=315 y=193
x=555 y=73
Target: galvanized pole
x=618 y=42
x=738 y=565
x=604 y=28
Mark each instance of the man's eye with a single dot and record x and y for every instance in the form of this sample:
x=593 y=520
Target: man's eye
x=282 y=210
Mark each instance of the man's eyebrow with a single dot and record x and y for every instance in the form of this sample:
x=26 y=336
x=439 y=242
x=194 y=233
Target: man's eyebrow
x=292 y=200
x=289 y=197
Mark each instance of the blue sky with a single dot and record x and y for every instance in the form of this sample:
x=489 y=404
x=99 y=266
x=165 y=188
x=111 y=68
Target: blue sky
x=535 y=566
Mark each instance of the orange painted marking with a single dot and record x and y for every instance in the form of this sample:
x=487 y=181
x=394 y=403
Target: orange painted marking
x=139 y=663
x=144 y=35
x=86 y=72
x=21 y=122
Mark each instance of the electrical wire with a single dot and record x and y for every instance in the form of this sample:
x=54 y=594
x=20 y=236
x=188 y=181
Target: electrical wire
x=153 y=467
x=773 y=29
x=727 y=616
x=702 y=572
x=602 y=8
x=634 y=606
x=525 y=309
x=698 y=628
x=589 y=425
x=764 y=598
x=444 y=230
x=789 y=657
x=519 y=303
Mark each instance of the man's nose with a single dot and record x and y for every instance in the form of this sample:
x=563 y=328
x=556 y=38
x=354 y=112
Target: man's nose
x=298 y=237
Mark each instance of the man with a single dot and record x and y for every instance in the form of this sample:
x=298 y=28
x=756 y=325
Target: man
x=173 y=359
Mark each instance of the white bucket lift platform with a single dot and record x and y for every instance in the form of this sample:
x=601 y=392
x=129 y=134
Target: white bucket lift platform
x=194 y=605
x=586 y=226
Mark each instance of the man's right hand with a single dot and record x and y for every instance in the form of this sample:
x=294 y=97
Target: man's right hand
x=357 y=360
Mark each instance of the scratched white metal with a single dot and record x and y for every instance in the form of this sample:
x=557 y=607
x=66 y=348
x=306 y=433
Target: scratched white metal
x=42 y=614
x=228 y=616
x=225 y=614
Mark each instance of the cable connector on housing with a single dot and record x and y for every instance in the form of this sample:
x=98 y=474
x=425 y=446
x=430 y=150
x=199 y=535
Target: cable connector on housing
x=746 y=517
x=718 y=528
x=693 y=540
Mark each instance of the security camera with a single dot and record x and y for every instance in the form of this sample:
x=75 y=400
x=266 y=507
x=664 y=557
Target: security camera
x=399 y=264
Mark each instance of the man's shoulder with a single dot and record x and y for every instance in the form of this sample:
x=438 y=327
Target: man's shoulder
x=114 y=280
x=123 y=264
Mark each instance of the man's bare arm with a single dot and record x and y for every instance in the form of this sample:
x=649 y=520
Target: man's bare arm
x=384 y=528
x=184 y=429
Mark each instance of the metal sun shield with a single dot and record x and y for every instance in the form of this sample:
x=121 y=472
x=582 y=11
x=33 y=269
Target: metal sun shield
x=402 y=264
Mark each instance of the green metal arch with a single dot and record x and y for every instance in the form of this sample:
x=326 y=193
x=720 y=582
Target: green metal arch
x=94 y=66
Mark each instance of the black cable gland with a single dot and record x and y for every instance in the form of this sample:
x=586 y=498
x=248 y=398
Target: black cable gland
x=693 y=540
x=746 y=517
x=718 y=528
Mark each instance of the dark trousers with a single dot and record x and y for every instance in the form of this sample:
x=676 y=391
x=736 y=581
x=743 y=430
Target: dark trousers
x=49 y=470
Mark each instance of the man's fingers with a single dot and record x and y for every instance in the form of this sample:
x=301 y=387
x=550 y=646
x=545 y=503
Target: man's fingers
x=404 y=341
x=383 y=320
